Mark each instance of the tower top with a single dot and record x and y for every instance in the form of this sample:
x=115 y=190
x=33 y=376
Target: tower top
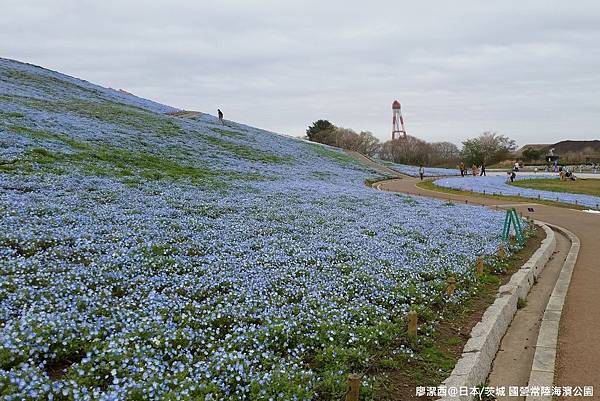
x=395 y=105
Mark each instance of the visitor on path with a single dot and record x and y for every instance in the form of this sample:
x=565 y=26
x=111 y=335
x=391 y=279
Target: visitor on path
x=512 y=175
x=421 y=171
x=220 y=116
x=463 y=169
x=569 y=175
x=474 y=170
x=482 y=170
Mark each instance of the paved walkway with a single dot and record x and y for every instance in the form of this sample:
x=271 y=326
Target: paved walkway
x=578 y=361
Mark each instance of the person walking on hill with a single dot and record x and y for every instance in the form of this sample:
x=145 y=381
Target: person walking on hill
x=421 y=171
x=482 y=170
x=220 y=116
x=474 y=170
x=462 y=168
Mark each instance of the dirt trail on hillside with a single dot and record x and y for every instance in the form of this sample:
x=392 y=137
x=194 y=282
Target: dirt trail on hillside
x=374 y=165
x=578 y=359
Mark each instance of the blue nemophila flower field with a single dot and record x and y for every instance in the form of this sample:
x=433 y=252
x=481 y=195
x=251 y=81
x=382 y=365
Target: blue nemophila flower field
x=414 y=170
x=145 y=256
x=499 y=185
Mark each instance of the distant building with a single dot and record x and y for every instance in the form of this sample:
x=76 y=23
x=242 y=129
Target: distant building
x=572 y=151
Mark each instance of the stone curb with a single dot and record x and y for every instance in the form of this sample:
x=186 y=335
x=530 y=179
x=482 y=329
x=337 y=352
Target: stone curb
x=474 y=365
x=542 y=370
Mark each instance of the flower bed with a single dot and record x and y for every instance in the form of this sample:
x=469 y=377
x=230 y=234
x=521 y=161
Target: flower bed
x=414 y=170
x=149 y=257
x=499 y=185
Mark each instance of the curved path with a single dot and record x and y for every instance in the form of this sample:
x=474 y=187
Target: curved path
x=578 y=360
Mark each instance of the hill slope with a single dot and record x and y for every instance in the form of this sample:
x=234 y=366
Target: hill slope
x=146 y=256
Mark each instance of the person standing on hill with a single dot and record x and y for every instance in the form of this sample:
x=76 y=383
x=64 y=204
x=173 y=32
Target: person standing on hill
x=421 y=171
x=482 y=170
x=220 y=116
x=463 y=169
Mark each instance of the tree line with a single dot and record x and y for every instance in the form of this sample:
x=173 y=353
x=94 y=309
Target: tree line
x=488 y=148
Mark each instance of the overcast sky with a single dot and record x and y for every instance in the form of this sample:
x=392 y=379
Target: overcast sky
x=526 y=69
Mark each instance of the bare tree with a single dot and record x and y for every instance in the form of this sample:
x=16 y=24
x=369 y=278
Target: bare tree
x=347 y=138
x=408 y=151
x=444 y=153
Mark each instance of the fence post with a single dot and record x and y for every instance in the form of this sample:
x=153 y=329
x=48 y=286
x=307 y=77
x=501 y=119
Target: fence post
x=353 y=387
x=501 y=252
x=412 y=323
x=451 y=286
x=480 y=266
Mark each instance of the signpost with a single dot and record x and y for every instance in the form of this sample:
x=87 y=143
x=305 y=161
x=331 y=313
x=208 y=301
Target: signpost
x=512 y=219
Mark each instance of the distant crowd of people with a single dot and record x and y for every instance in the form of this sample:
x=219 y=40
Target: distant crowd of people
x=594 y=167
x=475 y=170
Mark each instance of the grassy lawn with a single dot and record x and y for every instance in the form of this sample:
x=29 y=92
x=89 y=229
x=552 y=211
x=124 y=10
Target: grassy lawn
x=587 y=187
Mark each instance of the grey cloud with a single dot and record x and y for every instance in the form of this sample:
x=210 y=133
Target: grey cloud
x=526 y=69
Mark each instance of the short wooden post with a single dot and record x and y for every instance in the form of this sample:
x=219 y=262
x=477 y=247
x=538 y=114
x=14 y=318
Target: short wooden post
x=353 y=387
x=480 y=266
x=412 y=323
x=501 y=252
x=513 y=240
x=451 y=286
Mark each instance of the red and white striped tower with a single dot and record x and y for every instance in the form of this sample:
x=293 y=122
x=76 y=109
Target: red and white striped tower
x=397 y=121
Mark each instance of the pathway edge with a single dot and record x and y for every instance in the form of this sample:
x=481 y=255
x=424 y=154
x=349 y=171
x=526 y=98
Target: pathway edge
x=475 y=363
x=544 y=359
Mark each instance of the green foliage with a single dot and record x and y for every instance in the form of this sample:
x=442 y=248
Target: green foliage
x=332 y=154
x=41 y=134
x=229 y=133
x=488 y=148
x=530 y=154
x=112 y=161
x=110 y=112
x=48 y=83
x=124 y=115
x=324 y=175
x=317 y=127
x=5 y=114
x=247 y=152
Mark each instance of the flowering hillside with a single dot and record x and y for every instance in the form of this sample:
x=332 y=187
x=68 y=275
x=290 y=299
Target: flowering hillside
x=145 y=256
